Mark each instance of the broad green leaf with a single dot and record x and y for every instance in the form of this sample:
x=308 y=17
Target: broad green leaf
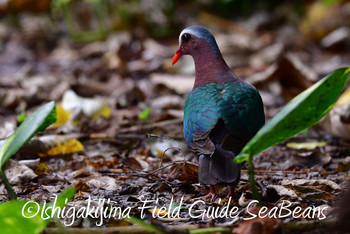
x=2 y=142
x=38 y=121
x=302 y=112
x=12 y=220
x=25 y=216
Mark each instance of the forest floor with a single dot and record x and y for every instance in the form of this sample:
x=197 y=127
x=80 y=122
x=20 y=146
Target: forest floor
x=123 y=101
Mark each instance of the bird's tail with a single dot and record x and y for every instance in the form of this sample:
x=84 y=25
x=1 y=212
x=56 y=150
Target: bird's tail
x=219 y=168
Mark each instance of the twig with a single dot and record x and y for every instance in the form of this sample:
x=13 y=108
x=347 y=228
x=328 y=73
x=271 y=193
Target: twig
x=183 y=155
x=162 y=137
x=261 y=186
x=169 y=139
x=152 y=172
x=145 y=127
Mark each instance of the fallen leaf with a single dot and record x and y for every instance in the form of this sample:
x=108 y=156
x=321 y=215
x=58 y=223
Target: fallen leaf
x=283 y=191
x=337 y=121
x=309 y=159
x=103 y=182
x=168 y=146
x=306 y=145
x=90 y=107
x=184 y=172
x=18 y=173
x=257 y=225
x=6 y=129
x=31 y=163
x=332 y=186
x=337 y=40
x=82 y=186
x=41 y=169
x=62 y=116
x=53 y=145
x=157 y=211
x=320 y=19
x=292 y=75
x=183 y=84
x=11 y=6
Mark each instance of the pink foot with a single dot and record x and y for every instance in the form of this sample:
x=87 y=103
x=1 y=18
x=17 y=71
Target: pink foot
x=211 y=194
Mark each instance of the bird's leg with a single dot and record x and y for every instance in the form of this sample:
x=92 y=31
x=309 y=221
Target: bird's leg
x=212 y=193
x=231 y=191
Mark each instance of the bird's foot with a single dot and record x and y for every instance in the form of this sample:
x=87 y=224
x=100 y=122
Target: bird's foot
x=211 y=194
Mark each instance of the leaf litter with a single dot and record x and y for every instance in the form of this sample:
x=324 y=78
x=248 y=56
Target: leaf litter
x=104 y=87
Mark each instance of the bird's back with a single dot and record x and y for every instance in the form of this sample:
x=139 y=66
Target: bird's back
x=228 y=114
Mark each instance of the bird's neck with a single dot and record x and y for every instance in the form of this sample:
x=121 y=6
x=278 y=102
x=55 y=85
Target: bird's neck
x=210 y=67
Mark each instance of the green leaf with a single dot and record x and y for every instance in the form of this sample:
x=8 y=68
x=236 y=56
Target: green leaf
x=38 y=121
x=61 y=201
x=148 y=226
x=302 y=112
x=145 y=113
x=12 y=220
x=330 y=2
x=21 y=117
x=210 y=230
x=59 y=3
x=14 y=215
x=2 y=142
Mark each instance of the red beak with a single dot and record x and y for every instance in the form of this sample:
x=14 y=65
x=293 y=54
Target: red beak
x=177 y=55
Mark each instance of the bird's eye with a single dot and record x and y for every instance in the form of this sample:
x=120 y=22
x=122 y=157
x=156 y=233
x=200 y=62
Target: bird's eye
x=186 y=37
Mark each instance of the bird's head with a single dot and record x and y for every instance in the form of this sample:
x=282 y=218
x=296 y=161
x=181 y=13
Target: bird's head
x=192 y=40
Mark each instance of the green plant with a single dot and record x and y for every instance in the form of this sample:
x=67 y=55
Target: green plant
x=210 y=230
x=14 y=215
x=38 y=121
x=22 y=116
x=79 y=28
x=145 y=113
x=148 y=226
x=302 y=112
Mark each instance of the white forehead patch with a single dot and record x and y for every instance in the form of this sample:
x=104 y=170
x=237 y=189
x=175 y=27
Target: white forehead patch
x=192 y=32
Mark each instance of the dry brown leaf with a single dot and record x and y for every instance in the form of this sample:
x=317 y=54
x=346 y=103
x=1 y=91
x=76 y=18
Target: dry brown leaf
x=257 y=225
x=332 y=186
x=309 y=159
x=82 y=186
x=283 y=191
x=103 y=182
x=133 y=163
x=291 y=74
x=184 y=172
x=53 y=145
x=10 y=6
x=18 y=173
x=41 y=169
